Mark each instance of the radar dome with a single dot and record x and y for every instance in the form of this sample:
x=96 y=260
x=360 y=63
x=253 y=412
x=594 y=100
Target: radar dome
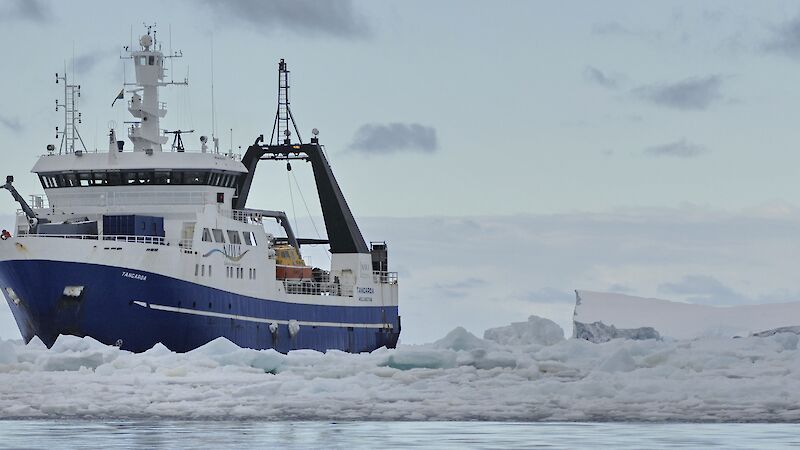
x=146 y=41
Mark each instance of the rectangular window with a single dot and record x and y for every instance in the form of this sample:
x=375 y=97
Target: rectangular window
x=206 y=235
x=129 y=178
x=203 y=270
x=218 y=237
x=85 y=178
x=194 y=178
x=114 y=178
x=233 y=237
x=177 y=178
x=151 y=60
x=71 y=180
x=209 y=270
x=196 y=269
x=162 y=178
x=100 y=178
x=248 y=237
x=145 y=177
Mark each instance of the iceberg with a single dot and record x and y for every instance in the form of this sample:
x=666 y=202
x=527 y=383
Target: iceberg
x=601 y=316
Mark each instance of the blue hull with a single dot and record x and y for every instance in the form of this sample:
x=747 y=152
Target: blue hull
x=110 y=310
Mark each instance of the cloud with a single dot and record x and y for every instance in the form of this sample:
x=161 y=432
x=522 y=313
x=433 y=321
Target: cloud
x=86 y=62
x=613 y=29
x=550 y=295
x=703 y=289
x=785 y=39
x=689 y=94
x=11 y=123
x=680 y=149
x=596 y=76
x=459 y=289
x=30 y=10
x=307 y=17
x=382 y=139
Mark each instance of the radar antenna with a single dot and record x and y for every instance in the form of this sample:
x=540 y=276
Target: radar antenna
x=72 y=117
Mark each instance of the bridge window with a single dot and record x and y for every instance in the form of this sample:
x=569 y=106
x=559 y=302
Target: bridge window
x=138 y=177
x=218 y=237
x=249 y=239
x=233 y=237
x=206 y=235
x=194 y=178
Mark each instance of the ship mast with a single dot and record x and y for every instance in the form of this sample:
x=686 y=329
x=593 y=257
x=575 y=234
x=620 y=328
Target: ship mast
x=70 y=132
x=280 y=128
x=148 y=61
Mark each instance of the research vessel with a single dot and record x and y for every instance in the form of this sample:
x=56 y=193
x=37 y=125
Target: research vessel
x=156 y=243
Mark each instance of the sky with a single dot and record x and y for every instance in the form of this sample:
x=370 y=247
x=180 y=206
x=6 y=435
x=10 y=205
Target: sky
x=623 y=145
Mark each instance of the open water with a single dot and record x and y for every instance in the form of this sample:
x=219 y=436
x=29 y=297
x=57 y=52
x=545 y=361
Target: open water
x=48 y=434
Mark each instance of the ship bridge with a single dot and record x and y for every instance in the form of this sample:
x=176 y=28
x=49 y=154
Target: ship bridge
x=138 y=180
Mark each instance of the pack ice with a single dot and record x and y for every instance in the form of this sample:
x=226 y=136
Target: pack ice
x=525 y=372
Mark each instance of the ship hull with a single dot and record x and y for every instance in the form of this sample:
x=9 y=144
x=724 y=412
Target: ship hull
x=136 y=309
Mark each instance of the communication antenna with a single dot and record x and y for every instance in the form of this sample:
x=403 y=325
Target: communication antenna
x=213 y=109
x=280 y=128
x=72 y=117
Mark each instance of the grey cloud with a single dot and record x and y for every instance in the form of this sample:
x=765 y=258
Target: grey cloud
x=459 y=289
x=85 y=63
x=617 y=29
x=30 y=10
x=595 y=75
x=681 y=149
x=11 y=123
x=619 y=288
x=703 y=289
x=550 y=295
x=785 y=39
x=689 y=94
x=309 y=17
x=381 y=139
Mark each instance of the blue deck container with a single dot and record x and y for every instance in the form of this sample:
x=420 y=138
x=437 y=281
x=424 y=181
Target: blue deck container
x=133 y=225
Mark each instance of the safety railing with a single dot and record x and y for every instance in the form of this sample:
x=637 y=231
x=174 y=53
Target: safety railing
x=384 y=277
x=317 y=288
x=153 y=240
x=150 y=240
x=64 y=236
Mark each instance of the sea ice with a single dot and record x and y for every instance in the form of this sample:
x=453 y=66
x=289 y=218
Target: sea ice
x=520 y=374
x=537 y=330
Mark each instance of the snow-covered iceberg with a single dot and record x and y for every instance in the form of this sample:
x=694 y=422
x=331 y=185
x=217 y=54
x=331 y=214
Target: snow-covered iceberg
x=459 y=377
x=601 y=316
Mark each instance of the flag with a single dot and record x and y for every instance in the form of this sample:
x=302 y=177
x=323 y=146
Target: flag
x=120 y=96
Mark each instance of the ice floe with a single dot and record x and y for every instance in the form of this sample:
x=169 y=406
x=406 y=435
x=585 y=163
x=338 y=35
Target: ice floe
x=522 y=373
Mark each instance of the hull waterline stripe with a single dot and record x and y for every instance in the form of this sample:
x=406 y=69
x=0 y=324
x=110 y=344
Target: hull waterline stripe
x=258 y=319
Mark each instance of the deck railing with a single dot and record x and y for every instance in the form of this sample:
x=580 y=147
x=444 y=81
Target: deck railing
x=384 y=277
x=317 y=288
x=151 y=240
